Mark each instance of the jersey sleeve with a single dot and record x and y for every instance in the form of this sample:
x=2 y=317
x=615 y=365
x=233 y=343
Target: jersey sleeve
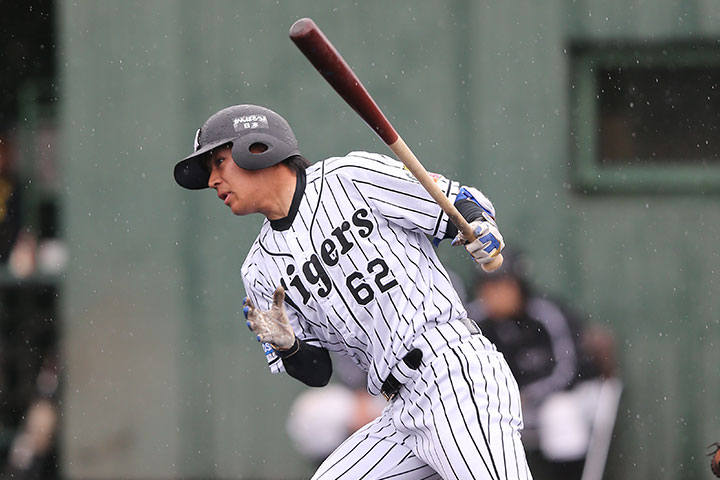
x=393 y=191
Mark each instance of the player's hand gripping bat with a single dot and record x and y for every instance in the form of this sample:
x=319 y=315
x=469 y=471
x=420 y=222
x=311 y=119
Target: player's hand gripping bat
x=326 y=59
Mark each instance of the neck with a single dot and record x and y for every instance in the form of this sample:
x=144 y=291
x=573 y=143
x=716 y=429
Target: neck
x=281 y=188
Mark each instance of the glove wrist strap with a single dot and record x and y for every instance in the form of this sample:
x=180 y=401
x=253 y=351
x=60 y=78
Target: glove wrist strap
x=470 y=210
x=294 y=348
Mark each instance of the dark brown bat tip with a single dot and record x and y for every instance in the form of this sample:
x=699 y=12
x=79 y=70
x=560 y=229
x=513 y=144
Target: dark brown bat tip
x=302 y=27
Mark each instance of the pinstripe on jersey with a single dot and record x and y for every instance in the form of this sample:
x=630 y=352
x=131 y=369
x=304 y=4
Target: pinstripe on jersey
x=464 y=425
x=363 y=279
x=361 y=276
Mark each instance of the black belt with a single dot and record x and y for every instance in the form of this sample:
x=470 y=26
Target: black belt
x=391 y=385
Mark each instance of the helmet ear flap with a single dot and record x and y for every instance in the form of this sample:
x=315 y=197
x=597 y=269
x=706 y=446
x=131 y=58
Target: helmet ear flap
x=258 y=147
x=258 y=150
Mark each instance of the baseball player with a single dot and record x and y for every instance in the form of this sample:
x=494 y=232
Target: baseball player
x=345 y=263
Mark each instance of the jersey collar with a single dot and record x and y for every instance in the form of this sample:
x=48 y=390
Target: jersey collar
x=284 y=223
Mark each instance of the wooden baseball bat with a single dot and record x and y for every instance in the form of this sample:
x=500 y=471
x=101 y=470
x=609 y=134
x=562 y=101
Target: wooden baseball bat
x=313 y=43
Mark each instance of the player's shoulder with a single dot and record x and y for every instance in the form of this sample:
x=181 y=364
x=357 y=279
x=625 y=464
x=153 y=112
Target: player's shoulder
x=257 y=252
x=356 y=163
x=249 y=265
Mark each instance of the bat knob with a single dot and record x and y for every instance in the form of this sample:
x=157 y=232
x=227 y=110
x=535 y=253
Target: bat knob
x=494 y=264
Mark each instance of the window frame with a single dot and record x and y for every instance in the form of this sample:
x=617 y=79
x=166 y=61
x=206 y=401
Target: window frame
x=588 y=175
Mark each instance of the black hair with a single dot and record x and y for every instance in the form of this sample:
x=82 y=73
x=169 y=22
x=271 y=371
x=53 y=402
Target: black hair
x=297 y=163
x=516 y=267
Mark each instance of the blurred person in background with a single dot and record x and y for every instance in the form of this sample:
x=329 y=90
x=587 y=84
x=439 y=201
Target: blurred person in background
x=549 y=353
x=9 y=199
x=321 y=419
x=33 y=450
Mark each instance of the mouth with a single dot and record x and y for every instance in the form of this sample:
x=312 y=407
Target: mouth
x=225 y=197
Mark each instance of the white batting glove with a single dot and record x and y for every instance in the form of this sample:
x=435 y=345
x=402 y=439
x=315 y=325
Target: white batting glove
x=271 y=326
x=488 y=242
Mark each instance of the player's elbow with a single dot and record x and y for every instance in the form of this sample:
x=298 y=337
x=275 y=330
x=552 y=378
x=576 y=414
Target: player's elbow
x=322 y=376
x=311 y=365
x=316 y=374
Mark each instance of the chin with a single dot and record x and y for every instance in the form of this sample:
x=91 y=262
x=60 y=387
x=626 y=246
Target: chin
x=237 y=211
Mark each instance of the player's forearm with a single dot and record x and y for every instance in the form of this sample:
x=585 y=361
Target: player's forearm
x=307 y=363
x=470 y=210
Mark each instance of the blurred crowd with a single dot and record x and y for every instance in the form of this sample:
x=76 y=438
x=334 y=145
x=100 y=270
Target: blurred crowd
x=29 y=327
x=566 y=369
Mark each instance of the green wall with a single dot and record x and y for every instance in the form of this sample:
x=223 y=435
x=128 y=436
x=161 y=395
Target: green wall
x=163 y=380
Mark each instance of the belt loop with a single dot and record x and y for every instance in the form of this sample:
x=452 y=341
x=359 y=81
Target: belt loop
x=471 y=325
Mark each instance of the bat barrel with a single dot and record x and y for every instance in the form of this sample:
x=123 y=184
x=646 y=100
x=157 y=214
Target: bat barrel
x=313 y=43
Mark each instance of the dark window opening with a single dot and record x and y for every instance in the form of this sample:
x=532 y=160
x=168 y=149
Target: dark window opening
x=659 y=114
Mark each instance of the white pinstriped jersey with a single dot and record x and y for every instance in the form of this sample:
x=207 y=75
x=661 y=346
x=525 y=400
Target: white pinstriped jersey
x=362 y=279
x=355 y=257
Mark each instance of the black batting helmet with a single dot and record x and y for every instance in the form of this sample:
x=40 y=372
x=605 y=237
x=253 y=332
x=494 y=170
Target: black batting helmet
x=242 y=126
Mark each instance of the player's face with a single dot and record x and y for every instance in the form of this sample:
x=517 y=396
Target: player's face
x=235 y=186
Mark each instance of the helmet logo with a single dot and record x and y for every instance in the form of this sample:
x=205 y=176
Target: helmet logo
x=196 y=142
x=249 y=122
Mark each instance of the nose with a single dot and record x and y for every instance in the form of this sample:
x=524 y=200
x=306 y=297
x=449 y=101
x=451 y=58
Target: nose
x=214 y=179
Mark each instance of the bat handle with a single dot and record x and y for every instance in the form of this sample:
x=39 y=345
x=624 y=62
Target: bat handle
x=408 y=158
